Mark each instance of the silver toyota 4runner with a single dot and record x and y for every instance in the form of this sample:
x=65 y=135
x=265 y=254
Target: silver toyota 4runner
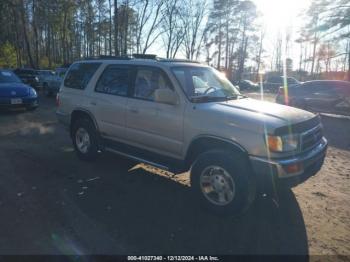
x=179 y=116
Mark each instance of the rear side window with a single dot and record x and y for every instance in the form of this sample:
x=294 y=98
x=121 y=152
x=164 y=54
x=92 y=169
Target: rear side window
x=147 y=81
x=80 y=74
x=114 y=81
x=275 y=79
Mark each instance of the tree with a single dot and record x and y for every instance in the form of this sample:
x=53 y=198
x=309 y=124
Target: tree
x=173 y=27
x=8 y=55
x=193 y=16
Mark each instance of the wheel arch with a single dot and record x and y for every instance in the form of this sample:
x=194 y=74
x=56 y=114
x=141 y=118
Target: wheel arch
x=204 y=143
x=82 y=113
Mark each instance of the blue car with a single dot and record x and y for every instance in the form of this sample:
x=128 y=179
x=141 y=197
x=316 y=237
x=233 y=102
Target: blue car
x=15 y=94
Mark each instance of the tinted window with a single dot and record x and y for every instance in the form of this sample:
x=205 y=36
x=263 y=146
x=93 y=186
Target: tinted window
x=114 y=81
x=8 y=77
x=319 y=87
x=147 y=81
x=80 y=74
x=25 y=72
x=275 y=79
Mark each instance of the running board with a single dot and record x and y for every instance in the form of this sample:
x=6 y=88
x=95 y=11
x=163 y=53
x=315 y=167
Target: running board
x=139 y=159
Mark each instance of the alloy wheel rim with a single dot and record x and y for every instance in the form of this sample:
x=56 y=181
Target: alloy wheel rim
x=217 y=185
x=82 y=140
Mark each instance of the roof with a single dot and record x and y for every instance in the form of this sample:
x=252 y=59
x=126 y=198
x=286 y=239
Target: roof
x=141 y=58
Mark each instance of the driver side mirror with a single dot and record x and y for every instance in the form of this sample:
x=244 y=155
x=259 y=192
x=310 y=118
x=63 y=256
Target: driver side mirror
x=166 y=96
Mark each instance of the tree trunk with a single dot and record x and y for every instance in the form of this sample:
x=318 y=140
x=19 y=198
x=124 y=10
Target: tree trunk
x=110 y=27
x=259 y=57
x=227 y=45
x=314 y=55
x=116 y=30
x=219 y=47
x=35 y=30
x=26 y=40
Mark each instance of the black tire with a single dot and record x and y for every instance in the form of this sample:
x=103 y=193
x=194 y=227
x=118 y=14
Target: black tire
x=93 y=148
x=238 y=168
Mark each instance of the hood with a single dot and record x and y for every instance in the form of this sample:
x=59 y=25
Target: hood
x=14 y=90
x=286 y=114
x=261 y=116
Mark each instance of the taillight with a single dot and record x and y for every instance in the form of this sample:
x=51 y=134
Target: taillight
x=58 y=99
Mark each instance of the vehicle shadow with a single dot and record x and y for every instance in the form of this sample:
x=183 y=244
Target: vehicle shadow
x=149 y=213
x=337 y=131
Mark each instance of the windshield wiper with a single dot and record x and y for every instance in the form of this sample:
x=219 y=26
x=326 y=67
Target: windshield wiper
x=235 y=96
x=203 y=99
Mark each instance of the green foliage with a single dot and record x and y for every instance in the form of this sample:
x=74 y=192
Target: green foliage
x=8 y=55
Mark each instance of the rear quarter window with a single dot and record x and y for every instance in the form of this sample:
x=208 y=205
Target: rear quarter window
x=80 y=74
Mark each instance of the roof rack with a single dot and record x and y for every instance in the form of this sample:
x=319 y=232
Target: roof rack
x=108 y=57
x=145 y=56
x=141 y=56
x=175 y=60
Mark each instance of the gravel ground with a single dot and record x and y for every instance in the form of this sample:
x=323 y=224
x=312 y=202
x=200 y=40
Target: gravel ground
x=52 y=203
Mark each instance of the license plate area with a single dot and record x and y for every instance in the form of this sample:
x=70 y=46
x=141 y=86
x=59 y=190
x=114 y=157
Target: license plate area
x=16 y=101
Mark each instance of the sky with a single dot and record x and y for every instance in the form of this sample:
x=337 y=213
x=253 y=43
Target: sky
x=276 y=16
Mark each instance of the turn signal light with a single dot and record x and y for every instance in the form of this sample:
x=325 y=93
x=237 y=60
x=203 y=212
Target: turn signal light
x=293 y=168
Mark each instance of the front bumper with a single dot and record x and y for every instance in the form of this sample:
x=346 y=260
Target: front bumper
x=5 y=103
x=275 y=170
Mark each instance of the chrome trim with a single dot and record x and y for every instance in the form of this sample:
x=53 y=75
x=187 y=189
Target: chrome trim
x=304 y=157
x=137 y=158
x=302 y=135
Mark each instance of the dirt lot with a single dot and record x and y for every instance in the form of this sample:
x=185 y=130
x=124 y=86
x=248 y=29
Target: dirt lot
x=52 y=203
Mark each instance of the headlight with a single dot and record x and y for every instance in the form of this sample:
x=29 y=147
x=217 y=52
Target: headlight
x=36 y=79
x=32 y=92
x=283 y=143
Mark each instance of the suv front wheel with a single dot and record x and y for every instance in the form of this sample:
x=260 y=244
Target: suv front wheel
x=85 y=139
x=223 y=182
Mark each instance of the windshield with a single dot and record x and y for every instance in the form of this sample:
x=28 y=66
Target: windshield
x=202 y=84
x=8 y=77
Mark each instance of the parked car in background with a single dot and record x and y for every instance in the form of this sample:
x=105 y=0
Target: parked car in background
x=44 y=77
x=14 y=93
x=183 y=116
x=247 y=85
x=61 y=71
x=28 y=76
x=50 y=82
x=275 y=82
x=324 y=96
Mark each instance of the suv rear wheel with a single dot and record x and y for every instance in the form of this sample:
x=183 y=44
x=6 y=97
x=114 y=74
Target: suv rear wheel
x=223 y=182
x=85 y=139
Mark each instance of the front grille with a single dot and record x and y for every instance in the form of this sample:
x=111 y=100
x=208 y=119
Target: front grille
x=311 y=138
x=298 y=127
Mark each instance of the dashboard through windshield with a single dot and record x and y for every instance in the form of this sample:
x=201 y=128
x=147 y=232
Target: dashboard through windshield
x=204 y=84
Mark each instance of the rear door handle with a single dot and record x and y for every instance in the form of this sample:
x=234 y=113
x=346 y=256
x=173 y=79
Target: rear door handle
x=93 y=103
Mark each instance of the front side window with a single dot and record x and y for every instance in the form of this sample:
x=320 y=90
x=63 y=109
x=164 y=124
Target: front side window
x=147 y=81
x=204 y=84
x=80 y=74
x=114 y=81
